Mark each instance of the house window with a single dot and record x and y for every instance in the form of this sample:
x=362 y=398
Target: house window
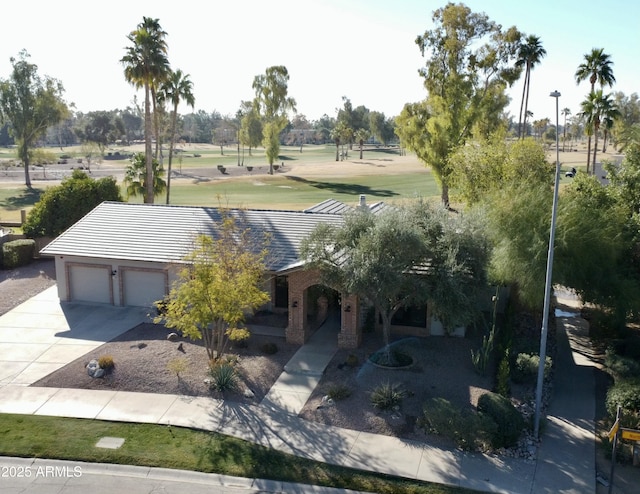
x=414 y=316
x=282 y=292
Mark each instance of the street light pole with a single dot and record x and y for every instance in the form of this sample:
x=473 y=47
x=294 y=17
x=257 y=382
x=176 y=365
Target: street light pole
x=547 y=286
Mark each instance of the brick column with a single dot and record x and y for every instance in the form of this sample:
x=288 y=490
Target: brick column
x=350 y=335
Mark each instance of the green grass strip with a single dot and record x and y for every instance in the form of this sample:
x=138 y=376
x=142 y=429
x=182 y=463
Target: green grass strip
x=186 y=449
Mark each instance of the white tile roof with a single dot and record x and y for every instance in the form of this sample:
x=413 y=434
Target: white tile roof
x=160 y=233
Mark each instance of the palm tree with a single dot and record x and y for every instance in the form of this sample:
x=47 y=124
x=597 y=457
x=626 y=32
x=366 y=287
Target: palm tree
x=565 y=112
x=361 y=135
x=597 y=108
x=145 y=64
x=177 y=87
x=530 y=54
x=596 y=68
x=135 y=177
x=610 y=113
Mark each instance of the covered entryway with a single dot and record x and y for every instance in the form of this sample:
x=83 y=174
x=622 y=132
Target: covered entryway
x=141 y=287
x=89 y=283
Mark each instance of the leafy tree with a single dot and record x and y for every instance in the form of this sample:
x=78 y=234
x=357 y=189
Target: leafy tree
x=100 y=129
x=30 y=104
x=400 y=257
x=251 y=125
x=518 y=222
x=220 y=283
x=529 y=55
x=481 y=169
x=135 y=177
x=178 y=87
x=381 y=127
x=469 y=65
x=629 y=108
x=595 y=250
x=273 y=103
x=145 y=65
x=597 y=67
x=63 y=205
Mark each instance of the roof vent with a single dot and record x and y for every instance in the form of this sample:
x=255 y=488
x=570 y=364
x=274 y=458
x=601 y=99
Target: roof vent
x=363 y=201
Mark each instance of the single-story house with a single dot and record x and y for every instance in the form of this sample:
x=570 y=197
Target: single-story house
x=130 y=255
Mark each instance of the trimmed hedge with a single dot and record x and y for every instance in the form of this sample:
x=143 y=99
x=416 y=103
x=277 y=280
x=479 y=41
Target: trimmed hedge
x=508 y=419
x=18 y=253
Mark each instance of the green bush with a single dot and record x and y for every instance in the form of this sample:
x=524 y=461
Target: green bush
x=18 y=253
x=224 y=377
x=620 y=366
x=508 y=420
x=387 y=396
x=625 y=393
x=526 y=368
x=338 y=392
x=469 y=430
x=61 y=206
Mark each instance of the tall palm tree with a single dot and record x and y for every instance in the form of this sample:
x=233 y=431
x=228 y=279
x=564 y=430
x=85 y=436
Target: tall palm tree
x=597 y=108
x=596 y=68
x=529 y=54
x=178 y=87
x=610 y=113
x=145 y=64
x=565 y=112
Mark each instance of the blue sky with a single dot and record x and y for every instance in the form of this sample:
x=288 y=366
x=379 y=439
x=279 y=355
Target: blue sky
x=362 y=49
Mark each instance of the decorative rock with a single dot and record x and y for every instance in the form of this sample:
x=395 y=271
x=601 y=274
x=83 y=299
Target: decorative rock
x=94 y=370
x=249 y=394
x=172 y=337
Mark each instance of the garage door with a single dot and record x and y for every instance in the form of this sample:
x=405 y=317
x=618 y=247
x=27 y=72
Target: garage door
x=90 y=283
x=143 y=287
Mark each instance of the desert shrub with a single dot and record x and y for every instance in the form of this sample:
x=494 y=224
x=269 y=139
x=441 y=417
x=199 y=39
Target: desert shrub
x=270 y=348
x=177 y=365
x=626 y=394
x=621 y=367
x=352 y=360
x=338 y=392
x=224 y=376
x=470 y=431
x=17 y=253
x=508 y=420
x=482 y=356
x=239 y=337
x=526 y=368
x=387 y=396
x=106 y=362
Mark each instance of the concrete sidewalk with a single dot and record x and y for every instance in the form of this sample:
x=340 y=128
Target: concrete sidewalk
x=566 y=462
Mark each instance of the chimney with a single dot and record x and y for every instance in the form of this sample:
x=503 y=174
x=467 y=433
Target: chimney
x=363 y=201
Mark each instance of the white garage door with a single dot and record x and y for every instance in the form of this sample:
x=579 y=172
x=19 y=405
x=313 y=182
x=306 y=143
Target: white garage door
x=143 y=288
x=90 y=283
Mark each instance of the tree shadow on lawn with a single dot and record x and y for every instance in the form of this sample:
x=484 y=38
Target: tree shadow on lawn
x=347 y=189
x=28 y=197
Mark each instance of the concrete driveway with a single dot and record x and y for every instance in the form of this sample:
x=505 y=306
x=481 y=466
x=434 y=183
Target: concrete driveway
x=42 y=334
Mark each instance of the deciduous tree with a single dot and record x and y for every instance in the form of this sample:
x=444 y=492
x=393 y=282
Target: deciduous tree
x=220 y=283
x=469 y=65
x=272 y=103
x=30 y=104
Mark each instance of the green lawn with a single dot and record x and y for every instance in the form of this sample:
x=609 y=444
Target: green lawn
x=185 y=449
x=289 y=192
